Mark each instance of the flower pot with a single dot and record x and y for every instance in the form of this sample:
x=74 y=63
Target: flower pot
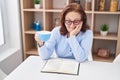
x=103 y=33
x=37 y=6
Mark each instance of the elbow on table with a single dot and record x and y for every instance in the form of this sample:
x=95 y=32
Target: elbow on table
x=44 y=57
x=83 y=59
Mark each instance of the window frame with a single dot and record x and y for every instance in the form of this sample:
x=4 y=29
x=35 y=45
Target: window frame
x=5 y=26
x=1 y=29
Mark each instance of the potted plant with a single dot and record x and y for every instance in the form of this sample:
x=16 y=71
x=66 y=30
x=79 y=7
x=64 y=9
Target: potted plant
x=37 y=4
x=104 y=29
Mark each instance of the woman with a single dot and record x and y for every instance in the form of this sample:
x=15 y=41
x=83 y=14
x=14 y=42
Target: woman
x=73 y=39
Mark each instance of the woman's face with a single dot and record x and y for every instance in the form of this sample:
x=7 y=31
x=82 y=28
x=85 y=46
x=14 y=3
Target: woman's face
x=72 y=19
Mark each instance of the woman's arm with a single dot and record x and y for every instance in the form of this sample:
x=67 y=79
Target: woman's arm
x=47 y=49
x=81 y=49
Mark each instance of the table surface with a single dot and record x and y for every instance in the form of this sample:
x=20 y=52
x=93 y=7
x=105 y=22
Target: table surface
x=30 y=69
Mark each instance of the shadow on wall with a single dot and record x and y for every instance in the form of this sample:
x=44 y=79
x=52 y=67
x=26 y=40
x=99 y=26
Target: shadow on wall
x=2 y=75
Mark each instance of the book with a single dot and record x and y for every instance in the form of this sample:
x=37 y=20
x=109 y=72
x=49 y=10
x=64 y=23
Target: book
x=62 y=66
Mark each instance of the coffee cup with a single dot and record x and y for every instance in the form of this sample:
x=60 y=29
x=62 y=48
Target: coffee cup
x=44 y=35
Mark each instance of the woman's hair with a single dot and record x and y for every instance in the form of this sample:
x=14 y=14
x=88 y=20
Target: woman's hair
x=76 y=8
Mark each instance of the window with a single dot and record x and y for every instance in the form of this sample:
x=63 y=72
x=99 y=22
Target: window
x=1 y=29
x=4 y=31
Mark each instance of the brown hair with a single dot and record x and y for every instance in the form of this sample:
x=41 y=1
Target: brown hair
x=76 y=8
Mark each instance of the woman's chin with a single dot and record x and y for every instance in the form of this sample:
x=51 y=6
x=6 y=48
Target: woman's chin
x=70 y=30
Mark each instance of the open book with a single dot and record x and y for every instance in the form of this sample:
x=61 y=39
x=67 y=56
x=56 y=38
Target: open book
x=59 y=65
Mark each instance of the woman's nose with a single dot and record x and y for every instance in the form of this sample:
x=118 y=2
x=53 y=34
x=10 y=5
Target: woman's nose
x=72 y=25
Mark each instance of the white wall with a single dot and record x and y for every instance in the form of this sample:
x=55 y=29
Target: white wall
x=14 y=53
x=14 y=22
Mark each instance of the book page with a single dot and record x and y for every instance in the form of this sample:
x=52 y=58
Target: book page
x=52 y=65
x=59 y=65
x=70 y=67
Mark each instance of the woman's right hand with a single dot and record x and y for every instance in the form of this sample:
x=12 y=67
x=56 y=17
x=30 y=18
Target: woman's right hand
x=40 y=42
x=76 y=30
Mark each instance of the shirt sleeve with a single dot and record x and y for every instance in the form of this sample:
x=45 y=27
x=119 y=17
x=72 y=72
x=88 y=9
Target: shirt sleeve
x=47 y=49
x=81 y=49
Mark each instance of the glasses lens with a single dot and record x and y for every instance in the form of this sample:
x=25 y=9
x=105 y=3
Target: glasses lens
x=76 y=22
x=68 y=22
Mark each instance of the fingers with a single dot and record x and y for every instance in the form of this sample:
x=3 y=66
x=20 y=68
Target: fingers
x=79 y=27
x=81 y=24
x=36 y=37
x=38 y=40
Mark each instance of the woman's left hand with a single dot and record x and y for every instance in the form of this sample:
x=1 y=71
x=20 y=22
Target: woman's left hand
x=76 y=30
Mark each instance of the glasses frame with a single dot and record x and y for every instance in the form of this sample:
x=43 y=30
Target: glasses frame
x=75 y=22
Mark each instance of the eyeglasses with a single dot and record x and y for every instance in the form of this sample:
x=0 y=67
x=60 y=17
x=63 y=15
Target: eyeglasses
x=75 y=22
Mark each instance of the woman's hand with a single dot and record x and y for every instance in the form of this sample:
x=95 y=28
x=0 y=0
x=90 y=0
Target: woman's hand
x=76 y=30
x=40 y=42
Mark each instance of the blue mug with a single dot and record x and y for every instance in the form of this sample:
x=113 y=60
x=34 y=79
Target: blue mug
x=44 y=35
